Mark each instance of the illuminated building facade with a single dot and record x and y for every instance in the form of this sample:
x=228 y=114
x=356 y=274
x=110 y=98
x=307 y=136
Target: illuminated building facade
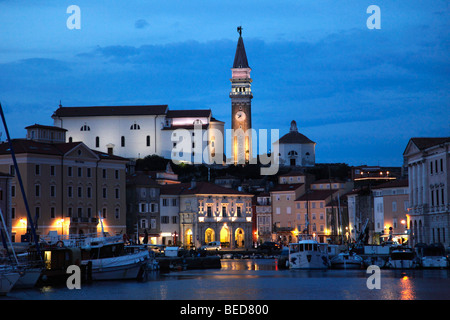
x=208 y=212
x=138 y=131
x=428 y=163
x=68 y=186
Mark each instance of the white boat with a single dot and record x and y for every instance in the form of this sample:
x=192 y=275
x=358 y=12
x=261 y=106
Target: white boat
x=8 y=278
x=346 y=260
x=308 y=254
x=432 y=256
x=29 y=276
x=108 y=259
x=402 y=258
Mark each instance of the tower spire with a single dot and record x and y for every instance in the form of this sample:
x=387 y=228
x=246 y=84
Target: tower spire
x=240 y=58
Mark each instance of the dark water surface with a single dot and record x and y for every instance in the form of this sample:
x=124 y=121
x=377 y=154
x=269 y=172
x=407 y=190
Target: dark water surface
x=257 y=279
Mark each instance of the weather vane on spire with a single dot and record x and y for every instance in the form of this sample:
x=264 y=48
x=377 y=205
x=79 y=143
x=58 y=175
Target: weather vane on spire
x=239 y=29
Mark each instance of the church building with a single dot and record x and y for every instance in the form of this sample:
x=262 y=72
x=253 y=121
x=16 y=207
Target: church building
x=138 y=131
x=295 y=149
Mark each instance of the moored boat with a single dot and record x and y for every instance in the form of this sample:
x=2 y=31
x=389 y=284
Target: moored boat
x=8 y=278
x=402 y=258
x=346 y=260
x=432 y=256
x=308 y=254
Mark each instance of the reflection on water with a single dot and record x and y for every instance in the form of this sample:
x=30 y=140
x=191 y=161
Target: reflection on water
x=248 y=264
x=258 y=279
x=407 y=289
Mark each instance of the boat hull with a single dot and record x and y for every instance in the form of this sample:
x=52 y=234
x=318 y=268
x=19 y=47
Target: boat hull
x=346 y=265
x=434 y=262
x=118 y=268
x=308 y=260
x=28 y=278
x=402 y=264
x=7 y=281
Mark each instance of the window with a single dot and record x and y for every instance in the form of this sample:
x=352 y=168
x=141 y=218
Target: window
x=122 y=141
x=442 y=196
x=85 y=128
x=442 y=165
x=117 y=213
x=80 y=192
x=52 y=191
x=394 y=206
x=148 y=141
x=288 y=210
x=69 y=191
x=224 y=211
x=165 y=203
x=313 y=205
x=37 y=189
x=89 y=192
x=117 y=190
x=135 y=127
x=142 y=207
x=12 y=170
x=80 y=172
x=277 y=210
x=13 y=213
x=37 y=169
x=37 y=212
x=431 y=167
x=174 y=219
x=69 y=212
x=104 y=173
x=321 y=204
x=209 y=211
x=174 y=202
x=13 y=191
x=52 y=212
x=105 y=193
x=97 y=142
x=143 y=223
x=89 y=212
x=238 y=211
x=104 y=213
x=116 y=174
x=52 y=170
x=69 y=171
x=432 y=197
x=164 y=219
x=88 y=172
x=321 y=216
x=313 y=216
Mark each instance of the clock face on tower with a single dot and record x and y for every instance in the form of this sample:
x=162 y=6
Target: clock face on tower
x=240 y=116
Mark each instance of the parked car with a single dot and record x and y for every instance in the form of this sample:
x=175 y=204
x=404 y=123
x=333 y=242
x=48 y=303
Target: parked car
x=215 y=245
x=269 y=246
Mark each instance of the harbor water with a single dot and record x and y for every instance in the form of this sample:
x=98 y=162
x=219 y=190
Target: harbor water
x=256 y=279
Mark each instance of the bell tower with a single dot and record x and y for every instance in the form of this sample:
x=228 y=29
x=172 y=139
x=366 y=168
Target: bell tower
x=241 y=97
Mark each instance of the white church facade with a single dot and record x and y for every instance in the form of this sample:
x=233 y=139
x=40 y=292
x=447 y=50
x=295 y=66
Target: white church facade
x=138 y=131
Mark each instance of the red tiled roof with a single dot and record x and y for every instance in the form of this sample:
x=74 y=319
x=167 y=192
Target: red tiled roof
x=188 y=113
x=424 y=143
x=316 y=195
x=58 y=149
x=110 y=111
x=200 y=188
x=286 y=187
x=393 y=184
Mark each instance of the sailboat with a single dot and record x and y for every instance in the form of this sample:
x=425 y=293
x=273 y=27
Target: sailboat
x=28 y=274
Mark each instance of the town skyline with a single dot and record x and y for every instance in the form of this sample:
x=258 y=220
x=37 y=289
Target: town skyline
x=360 y=94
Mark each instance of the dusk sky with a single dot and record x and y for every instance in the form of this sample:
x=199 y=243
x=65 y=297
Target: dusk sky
x=359 y=93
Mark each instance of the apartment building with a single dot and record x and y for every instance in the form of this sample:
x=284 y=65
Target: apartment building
x=68 y=186
x=428 y=163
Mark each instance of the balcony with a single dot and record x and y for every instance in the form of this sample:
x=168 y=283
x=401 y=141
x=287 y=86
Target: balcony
x=75 y=220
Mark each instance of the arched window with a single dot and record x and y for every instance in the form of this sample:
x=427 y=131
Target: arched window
x=97 y=142
x=85 y=128
x=148 y=141
x=122 y=141
x=135 y=127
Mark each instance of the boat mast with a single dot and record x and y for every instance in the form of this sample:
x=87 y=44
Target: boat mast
x=8 y=236
x=33 y=231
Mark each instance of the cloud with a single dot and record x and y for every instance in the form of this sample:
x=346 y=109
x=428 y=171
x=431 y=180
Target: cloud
x=141 y=24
